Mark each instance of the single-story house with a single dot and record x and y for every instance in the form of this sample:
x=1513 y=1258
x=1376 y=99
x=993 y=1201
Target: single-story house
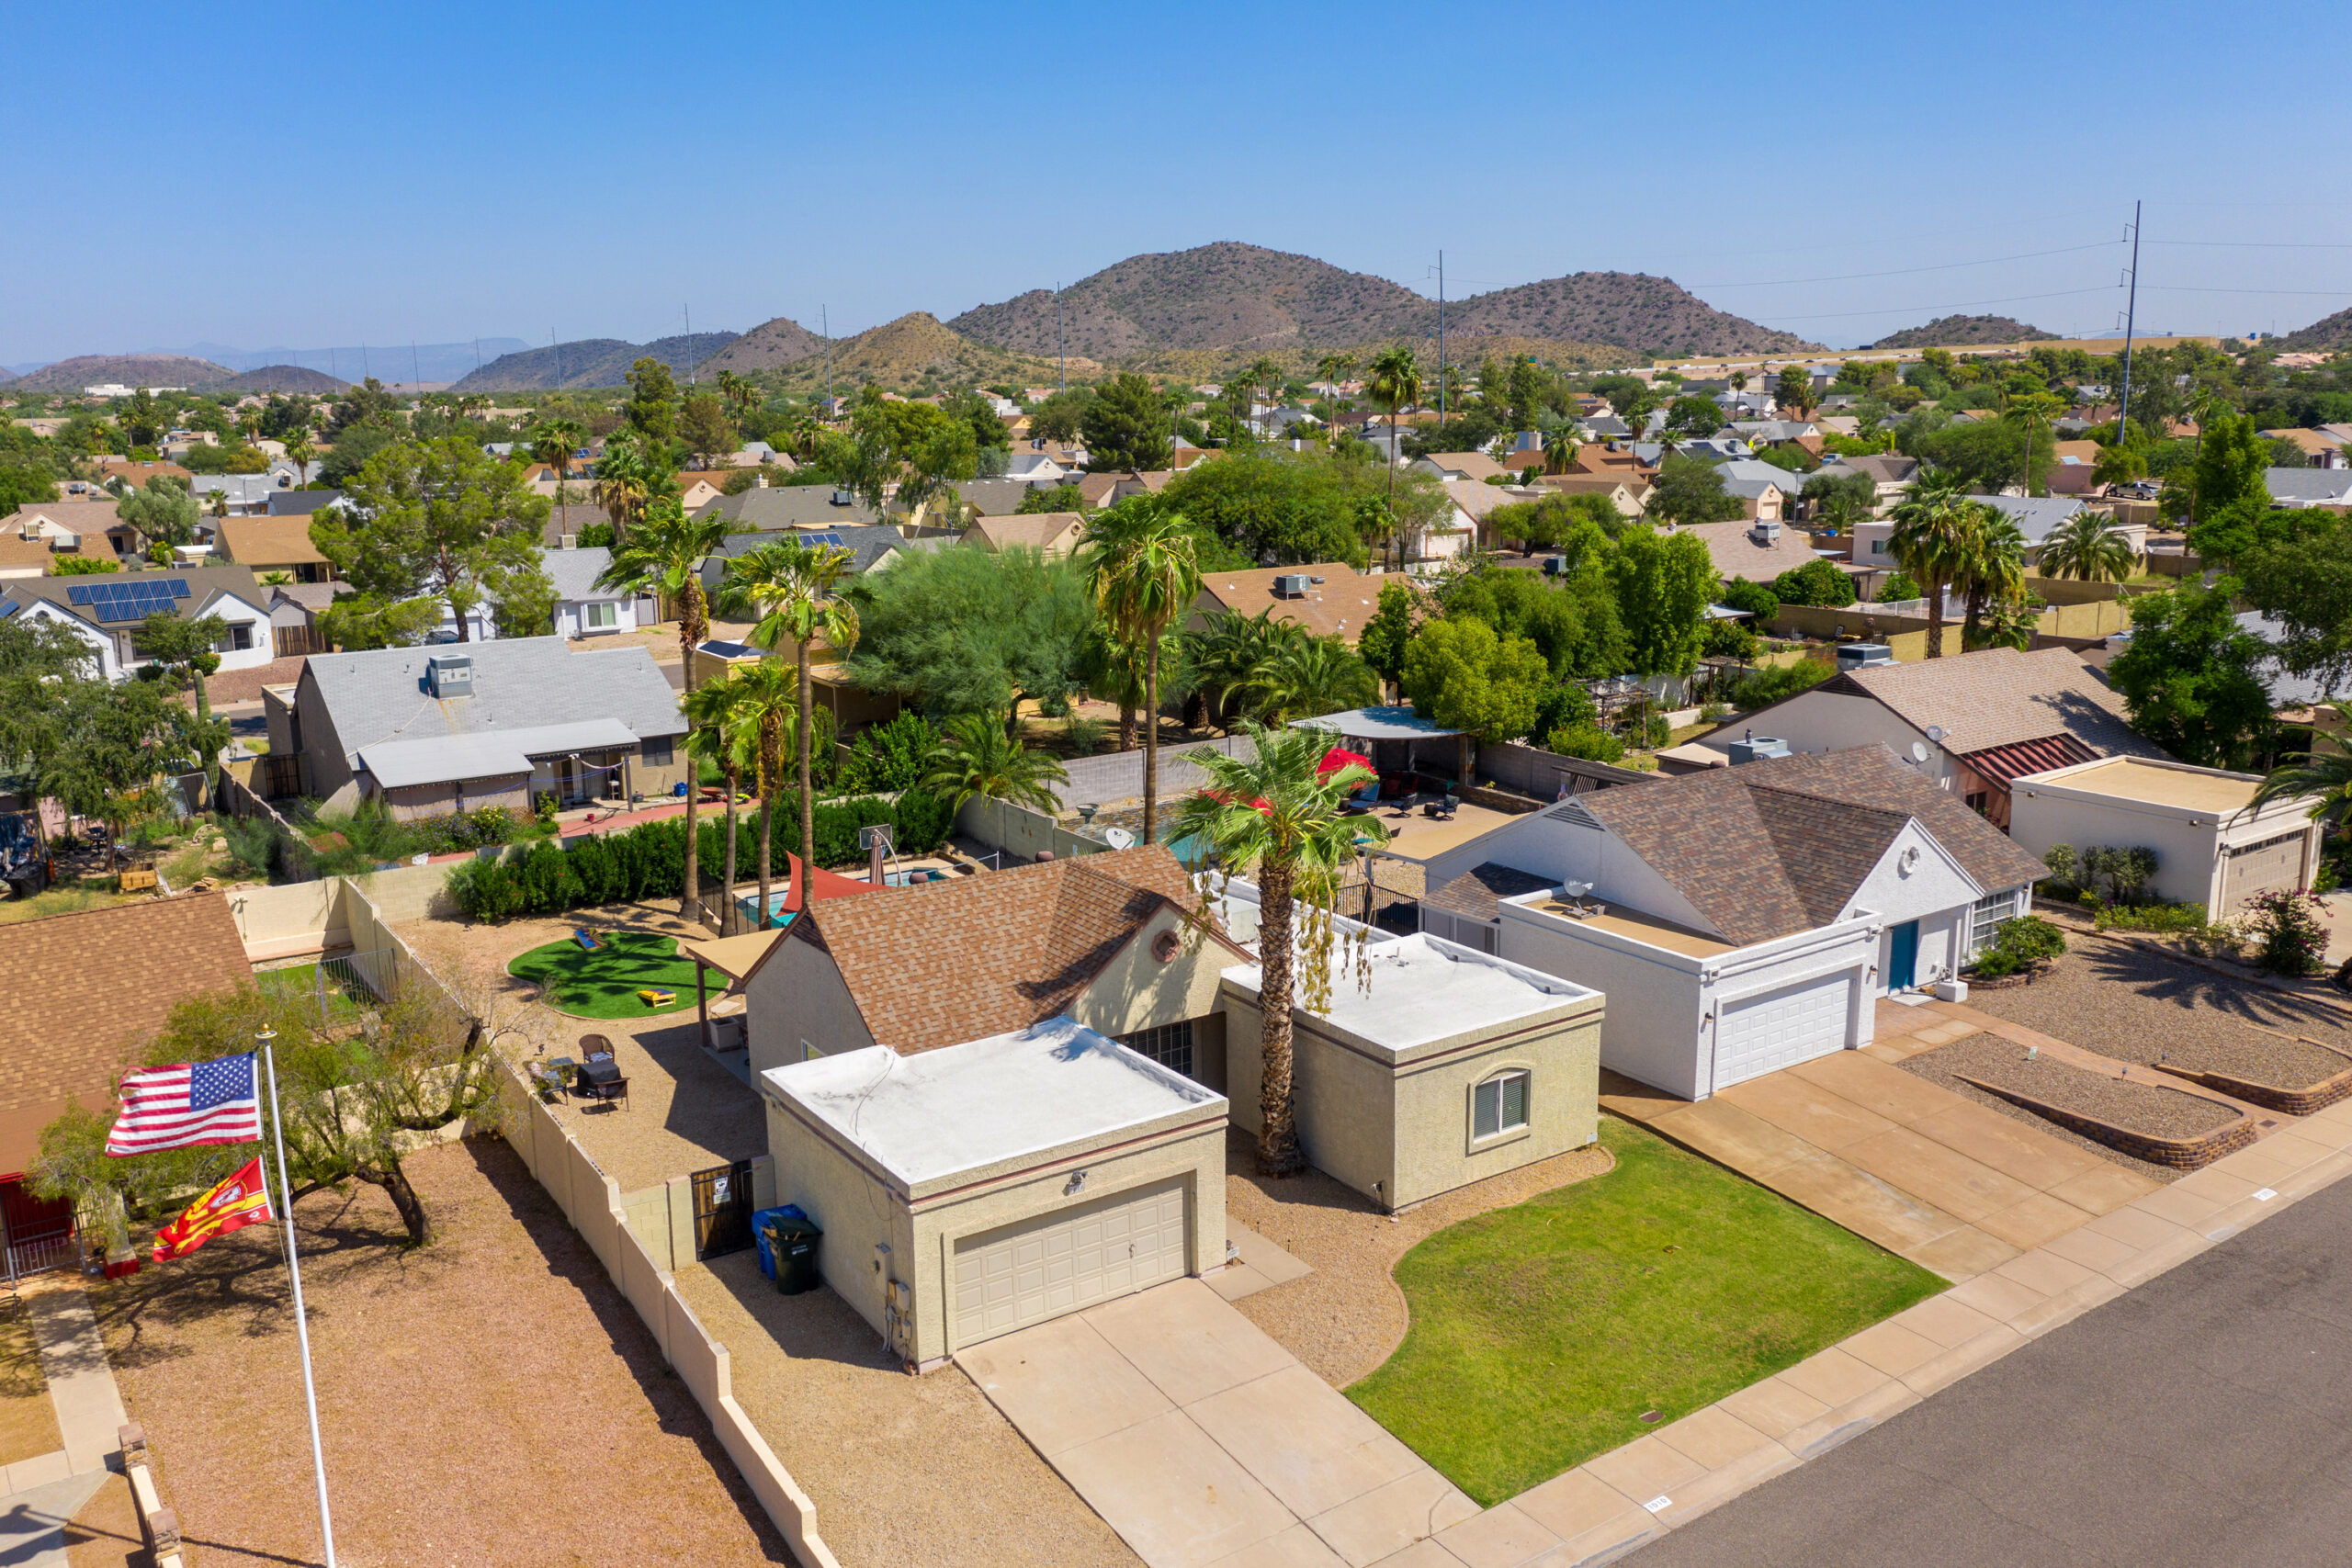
x=1473 y=466
x=1892 y=474
x=1628 y=495
x=975 y=1189
x=1758 y=551
x=1741 y=919
x=63 y=525
x=245 y=495
x=2212 y=848
x=872 y=547
x=105 y=610
x=998 y=498
x=273 y=544
x=1329 y=598
x=2302 y=487
x=302 y=503
x=1970 y=722
x=1052 y=533
x=582 y=607
x=2326 y=450
x=1446 y=1066
x=1764 y=492
x=431 y=731
x=776 y=507
x=83 y=988
x=1474 y=501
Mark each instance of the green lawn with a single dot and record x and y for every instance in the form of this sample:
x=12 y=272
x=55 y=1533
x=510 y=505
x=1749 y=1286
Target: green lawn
x=1542 y=1333
x=604 y=983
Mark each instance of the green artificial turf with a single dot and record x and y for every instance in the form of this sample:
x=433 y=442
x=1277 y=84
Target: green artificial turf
x=1542 y=1333
x=604 y=983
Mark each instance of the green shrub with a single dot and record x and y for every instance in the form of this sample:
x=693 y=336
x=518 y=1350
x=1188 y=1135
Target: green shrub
x=2163 y=917
x=2020 y=944
x=1761 y=688
x=2286 y=932
x=888 y=757
x=1585 y=741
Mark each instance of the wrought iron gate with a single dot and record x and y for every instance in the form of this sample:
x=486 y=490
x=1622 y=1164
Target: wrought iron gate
x=722 y=1210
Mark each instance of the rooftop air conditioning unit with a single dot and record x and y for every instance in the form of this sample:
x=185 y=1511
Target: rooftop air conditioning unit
x=842 y=497
x=449 y=675
x=1291 y=585
x=1765 y=531
x=1856 y=654
x=1754 y=748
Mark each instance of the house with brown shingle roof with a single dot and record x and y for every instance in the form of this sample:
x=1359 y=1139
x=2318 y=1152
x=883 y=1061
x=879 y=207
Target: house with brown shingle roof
x=1329 y=598
x=1051 y=534
x=85 y=991
x=937 y=964
x=1741 y=919
x=1753 y=550
x=263 y=545
x=1978 y=719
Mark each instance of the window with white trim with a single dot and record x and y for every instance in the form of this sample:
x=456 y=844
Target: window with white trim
x=1986 y=914
x=601 y=616
x=1499 y=1105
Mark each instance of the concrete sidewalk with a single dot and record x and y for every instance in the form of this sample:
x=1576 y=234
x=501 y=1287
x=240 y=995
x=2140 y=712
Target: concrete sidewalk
x=81 y=1381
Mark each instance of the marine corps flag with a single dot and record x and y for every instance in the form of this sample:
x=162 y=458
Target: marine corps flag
x=239 y=1202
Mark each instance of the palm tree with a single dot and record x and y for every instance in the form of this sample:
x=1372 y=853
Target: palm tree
x=664 y=557
x=1271 y=817
x=717 y=733
x=1308 y=676
x=2326 y=776
x=1333 y=369
x=1929 y=542
x=2025 y=411
x=627 y=482
x=1147 y=575
x=1112 y=672
x=1991 y=571
x=299 y=450
x=740 y=395
x=1396 y=380
x=977 y=756
x=792 y=588
x=763 y=710
x=1262 y=375
x=553 y=442
x=2088 y=547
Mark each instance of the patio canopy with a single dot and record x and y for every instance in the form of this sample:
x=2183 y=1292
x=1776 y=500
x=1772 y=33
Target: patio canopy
x=1379 y=724
x=1340 y=757
x=488 y=753
x=733 y=956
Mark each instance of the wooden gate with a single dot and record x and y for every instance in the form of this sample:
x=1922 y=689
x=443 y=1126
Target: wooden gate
x=722 y=1210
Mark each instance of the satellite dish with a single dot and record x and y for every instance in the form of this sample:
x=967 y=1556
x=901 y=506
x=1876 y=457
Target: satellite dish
x=1919 y=751
x=1576 y=889
x=1936 y=733
x=1118 y=837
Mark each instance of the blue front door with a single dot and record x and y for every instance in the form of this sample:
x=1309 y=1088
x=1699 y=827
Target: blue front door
x=1902 y=956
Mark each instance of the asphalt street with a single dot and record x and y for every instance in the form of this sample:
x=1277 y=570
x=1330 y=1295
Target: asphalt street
x=2204 y=1419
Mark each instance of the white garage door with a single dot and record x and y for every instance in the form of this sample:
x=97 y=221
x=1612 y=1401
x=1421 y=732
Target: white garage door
x=1074 y=1257
x=1762 y=1033
x=2252 y=868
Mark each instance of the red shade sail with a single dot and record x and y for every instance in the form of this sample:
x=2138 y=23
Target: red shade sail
x=1339 y=757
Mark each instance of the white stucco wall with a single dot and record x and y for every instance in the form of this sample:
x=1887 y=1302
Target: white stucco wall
x=2188 y=842
x=797 y=995
x=571 y=617
x=1543 y=845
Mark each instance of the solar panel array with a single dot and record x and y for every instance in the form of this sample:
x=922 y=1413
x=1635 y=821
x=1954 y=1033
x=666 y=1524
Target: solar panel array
x=130 y=598
x=826 y=537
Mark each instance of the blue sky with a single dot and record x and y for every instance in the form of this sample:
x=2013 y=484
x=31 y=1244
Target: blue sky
x=281 y=173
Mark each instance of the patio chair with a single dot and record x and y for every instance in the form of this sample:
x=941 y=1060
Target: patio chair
x=615 y=1090
x=593 y=1046
x=1362 y=801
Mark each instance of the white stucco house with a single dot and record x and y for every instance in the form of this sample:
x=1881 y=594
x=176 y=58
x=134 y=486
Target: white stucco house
x=2213 y=846
x=1741 y=919
x=584 y=609
x=105 y=611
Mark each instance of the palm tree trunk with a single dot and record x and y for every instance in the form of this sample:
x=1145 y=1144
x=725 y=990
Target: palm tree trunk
x=211 y=752
x=1126 y=726
x=1935 y=618
x=1278 y=1152
x=690 y=897
x=1151 y=741
x=770 y=765
x=730 y=919
x=808 y=790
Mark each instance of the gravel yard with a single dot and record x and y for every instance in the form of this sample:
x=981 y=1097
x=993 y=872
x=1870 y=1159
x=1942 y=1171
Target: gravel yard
x=2144 y=1107
x=2131 y=1004
x=469 y=1391
x=903 y=1470
x=1348 y=1316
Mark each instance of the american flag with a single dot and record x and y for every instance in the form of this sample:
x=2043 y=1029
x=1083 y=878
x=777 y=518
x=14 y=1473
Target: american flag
x=185 y=1105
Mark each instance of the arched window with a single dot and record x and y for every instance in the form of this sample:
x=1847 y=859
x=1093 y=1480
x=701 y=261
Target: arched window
x=1499 y=1105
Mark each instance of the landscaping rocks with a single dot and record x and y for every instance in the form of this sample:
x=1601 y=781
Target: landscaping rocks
x=2155 y=1125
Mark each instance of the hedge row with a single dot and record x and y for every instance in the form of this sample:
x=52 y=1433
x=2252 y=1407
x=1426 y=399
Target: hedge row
x=649 y=861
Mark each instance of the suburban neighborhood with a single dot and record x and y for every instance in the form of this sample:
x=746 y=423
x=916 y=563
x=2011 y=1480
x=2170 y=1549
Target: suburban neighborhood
x=1234 y=914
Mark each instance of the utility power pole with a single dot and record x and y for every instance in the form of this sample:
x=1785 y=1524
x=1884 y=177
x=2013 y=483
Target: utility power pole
x=825 y=326
x=2130 y=320
x=689 y=314
x=1440 y=408
x=1061 y=342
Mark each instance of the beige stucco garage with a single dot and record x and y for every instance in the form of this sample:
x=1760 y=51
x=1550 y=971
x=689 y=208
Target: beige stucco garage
x=975 y=1189
x=1444 y=1068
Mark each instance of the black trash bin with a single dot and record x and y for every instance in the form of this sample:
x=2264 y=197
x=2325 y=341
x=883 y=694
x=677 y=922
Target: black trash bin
x=792 y=1241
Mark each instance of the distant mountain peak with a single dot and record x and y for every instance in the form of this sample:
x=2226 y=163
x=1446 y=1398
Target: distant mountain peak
x=1960 y=331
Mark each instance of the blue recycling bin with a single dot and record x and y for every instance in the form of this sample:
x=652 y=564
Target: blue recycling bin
x=761 y=1224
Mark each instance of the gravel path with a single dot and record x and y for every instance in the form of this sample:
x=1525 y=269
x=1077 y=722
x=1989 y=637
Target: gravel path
x=1348 y=1316
x=914 y=1471
x=467 y=1391
x=2144 y=1107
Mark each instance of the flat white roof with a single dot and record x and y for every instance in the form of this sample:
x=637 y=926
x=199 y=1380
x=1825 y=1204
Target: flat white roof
x=2155 y=784
x=934 y=1113
x=1425 y=988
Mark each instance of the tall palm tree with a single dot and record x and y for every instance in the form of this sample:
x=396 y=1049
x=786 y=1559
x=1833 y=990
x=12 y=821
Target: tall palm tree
x=553 y=442
x=664 y=557
x=1271 y=817
x=1394 y=381
x=741 y=394
x=1308 y=676
x=1991 y=570
x=1333 y=369
x=2326 y=776
x=1146 y=574
x=2088 y=547
x=977 y=756
x=793 y=591
x=628 y=482
x=299 y=450
x=717 y=733
x=1261 y=375
x=764 y=710
x=2026 y=412
x=1929 y=542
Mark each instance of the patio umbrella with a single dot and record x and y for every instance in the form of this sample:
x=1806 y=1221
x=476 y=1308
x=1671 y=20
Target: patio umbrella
x=1339 y=757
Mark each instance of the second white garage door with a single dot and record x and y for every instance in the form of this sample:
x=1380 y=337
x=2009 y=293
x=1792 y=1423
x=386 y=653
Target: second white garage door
x=2253 y=868
x=1022 y=1274
x=1795 y=1023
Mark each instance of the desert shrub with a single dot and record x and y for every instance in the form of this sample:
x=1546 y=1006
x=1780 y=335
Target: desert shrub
x=2163 y=917
x=2285 y=931
x=1760 y=688
x=1585 y=741
x=2120 y=872
x=2024 y=942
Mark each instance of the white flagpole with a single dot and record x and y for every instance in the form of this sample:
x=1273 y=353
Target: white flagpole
x=302 y=1322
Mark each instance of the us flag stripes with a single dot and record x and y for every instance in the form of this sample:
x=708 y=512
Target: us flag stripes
x=186 y=1105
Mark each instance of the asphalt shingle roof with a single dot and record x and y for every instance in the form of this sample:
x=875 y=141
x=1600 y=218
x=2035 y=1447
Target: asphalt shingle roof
x=1477 y=892
x=786 y=506
x=1997 y=696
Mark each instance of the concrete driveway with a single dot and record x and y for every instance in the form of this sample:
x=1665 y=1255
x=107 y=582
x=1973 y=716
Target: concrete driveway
x=1202 y=1441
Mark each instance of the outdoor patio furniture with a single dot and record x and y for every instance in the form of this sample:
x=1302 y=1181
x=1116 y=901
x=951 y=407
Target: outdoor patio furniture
x=597 y=1070
x=596 y=1047
x=610 y=1090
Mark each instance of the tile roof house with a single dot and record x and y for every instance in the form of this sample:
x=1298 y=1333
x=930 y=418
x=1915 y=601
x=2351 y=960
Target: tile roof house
x=459 y=725
x=86 y=988
x=1335 y=601
x=1978 y=719
x=1628 y=494
x=1755 y=911
x=1052 y=533
x=76 y=520
x=273 y=544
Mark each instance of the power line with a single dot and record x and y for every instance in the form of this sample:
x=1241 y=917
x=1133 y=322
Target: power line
x=2297 y=293
x=2259 y=245
x=1904 y=270
x=1957 y=305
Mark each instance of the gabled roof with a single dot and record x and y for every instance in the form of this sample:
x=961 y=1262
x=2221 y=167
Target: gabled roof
x=83 y=988
x=1997 y=696
x=1477 y=892
x=2331 y=486
x=573 y=572
x=1338 y=605
x=1028 y=530
x=786 y=506
x=1788 y=841
x=1738 y=553
x=519 y=684
x=2036 y=516
x=206 y=587
x=1472 y=465
x=265 y=542
x=942 y=962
